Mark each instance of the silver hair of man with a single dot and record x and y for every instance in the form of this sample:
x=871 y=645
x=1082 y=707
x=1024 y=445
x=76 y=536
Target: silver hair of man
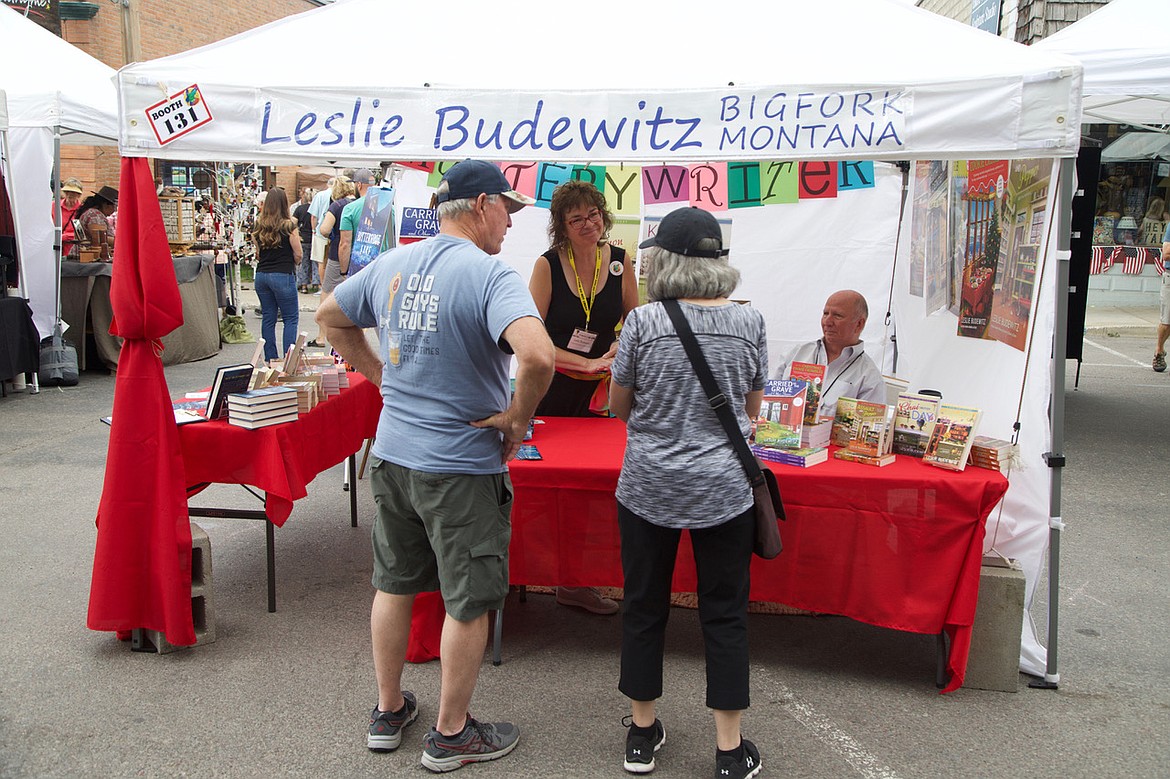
x=454 y=209
x=674 y=276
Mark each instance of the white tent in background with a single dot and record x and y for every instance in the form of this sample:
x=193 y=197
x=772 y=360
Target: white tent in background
x=745 y=80
x=52 y=93
x=1125 y=49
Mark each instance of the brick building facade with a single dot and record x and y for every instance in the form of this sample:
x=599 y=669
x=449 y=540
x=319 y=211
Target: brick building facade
x=139 y=30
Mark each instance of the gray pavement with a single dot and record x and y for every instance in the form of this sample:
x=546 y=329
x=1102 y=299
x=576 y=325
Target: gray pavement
x=287 y=694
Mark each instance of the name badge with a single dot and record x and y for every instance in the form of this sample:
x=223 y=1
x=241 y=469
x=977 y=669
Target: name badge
x=582 y=340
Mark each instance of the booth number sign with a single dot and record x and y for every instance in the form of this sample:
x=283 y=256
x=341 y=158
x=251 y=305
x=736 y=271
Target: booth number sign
x=178 y=115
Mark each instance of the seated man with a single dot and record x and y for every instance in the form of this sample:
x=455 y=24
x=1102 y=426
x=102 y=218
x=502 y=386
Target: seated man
x=850 y=373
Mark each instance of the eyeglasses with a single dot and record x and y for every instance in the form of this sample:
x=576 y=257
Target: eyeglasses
x=578 y=222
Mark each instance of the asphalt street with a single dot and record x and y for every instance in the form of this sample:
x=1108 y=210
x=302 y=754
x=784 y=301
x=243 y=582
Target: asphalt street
x=288 y=693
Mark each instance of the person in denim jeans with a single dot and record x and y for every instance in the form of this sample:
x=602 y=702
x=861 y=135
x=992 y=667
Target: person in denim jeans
x=279 y=250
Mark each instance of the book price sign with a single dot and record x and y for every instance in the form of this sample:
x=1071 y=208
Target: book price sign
x=178 y=115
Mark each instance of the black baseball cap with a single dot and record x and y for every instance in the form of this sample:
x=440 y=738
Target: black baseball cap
x=681 y=230
x=472 y=178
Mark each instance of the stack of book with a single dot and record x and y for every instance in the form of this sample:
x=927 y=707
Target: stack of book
x=814 y=436
x=871 y=435
x=805 y=457
x=342 y=377
x=330 y=383
x=306 y=394
x=994 y=454
x=262 y=407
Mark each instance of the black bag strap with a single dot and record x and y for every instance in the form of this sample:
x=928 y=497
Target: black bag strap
x=715 y=398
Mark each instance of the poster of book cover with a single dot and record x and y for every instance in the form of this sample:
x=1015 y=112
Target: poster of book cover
x=984 y=235
x=918 y=227
x=937 y=251
x=1024 y=217
x=375 y=230
x=956 y=234
x=417 y=224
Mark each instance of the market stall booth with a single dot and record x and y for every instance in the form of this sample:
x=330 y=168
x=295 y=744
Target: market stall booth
x=54 y=93
x=748 y=112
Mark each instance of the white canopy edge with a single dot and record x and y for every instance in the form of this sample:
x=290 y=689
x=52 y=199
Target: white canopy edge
x=839 y=79
x=1125 y=49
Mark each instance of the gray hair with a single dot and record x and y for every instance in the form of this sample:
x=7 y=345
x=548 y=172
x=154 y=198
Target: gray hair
x=674 y=276
x=454 y=209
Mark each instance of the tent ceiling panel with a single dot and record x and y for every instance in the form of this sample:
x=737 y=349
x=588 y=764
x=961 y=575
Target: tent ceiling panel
x=838 y=79
x=49 y=82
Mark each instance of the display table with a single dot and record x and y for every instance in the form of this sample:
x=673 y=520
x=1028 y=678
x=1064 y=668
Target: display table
x=280 y=460
x=19 y=344
x=85 y=306
x=897 y=547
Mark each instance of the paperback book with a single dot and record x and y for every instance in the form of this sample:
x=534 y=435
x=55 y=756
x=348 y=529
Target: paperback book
x=954 y=434
x=872 y=431
x=865 y=459
x=251 y=424
x=781 y=413
x=914 y=422
x=228 y=379
x=814 y=375
x=843 y=421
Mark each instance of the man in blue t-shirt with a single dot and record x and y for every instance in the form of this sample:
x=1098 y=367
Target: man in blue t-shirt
x=449 y=316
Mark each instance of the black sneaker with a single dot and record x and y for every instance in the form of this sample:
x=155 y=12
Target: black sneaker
x=749 y=765
x=640 y=749
x=386 y=726
x=476 y=743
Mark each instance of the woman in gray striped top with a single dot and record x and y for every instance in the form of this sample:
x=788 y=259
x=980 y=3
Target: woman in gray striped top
x=681 y=472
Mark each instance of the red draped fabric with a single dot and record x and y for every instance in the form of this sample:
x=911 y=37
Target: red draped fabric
x=142 y=560
x=898 y=546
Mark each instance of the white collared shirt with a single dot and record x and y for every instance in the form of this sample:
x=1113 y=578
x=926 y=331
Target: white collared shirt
x=852 y=375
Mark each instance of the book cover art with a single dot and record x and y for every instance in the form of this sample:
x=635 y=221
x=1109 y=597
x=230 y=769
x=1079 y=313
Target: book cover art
x=870 y=433
x=229 y=379
x=954 y=433
x=987 y=228
x=814 y=374
x=914 y=418
x=781 y=413
x=1025 y=239
x=375 y=229
x=843 y=421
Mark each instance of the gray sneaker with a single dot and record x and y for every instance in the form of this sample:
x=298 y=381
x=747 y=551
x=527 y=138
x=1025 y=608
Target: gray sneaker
x=476 y=743
x=386 y=726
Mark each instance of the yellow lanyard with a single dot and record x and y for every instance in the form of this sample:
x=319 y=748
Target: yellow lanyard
x=586 y=303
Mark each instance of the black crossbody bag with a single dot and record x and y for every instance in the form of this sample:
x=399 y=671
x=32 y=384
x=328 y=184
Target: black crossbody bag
x=765 y=491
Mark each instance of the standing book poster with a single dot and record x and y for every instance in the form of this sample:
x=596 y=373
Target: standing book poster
x=935 y=234
x=1025 y=215
x=375 y=230
x=982 y=243
x=416 y=224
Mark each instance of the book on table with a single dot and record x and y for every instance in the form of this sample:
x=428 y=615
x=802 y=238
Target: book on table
x=781 y=413
x=255 y=424
x=814 y=375
x=818 y=435
x=228 y=379
x=843 y=421
x=258 y=413
x=914 y=418
x=954 y=434
x=805 y=457
x=279 y=395
x=292 y=359
x=994 y=454
x=870 y=435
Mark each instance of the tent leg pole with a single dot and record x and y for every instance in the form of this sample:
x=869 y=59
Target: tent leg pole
x=59 y=229
x=1055 y=456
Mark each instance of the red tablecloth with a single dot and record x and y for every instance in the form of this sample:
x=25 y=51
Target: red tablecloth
x=281 y=460
x=898 y=547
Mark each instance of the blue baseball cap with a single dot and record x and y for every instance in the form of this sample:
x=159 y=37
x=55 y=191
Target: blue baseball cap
x=471 y=178
x=681 y=230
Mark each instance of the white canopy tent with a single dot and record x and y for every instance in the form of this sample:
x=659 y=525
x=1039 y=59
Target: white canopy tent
x=746 y=80
x=51 y=92
x=1125 y=49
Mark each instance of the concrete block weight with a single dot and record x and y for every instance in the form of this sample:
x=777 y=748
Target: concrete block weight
x=994 y=660
x=202 y=604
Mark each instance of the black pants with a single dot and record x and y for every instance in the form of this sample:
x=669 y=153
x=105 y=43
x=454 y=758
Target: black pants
x=722 y=558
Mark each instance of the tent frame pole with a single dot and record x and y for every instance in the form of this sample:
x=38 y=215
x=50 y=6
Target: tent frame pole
x=58 y=228
x=1055 y=456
